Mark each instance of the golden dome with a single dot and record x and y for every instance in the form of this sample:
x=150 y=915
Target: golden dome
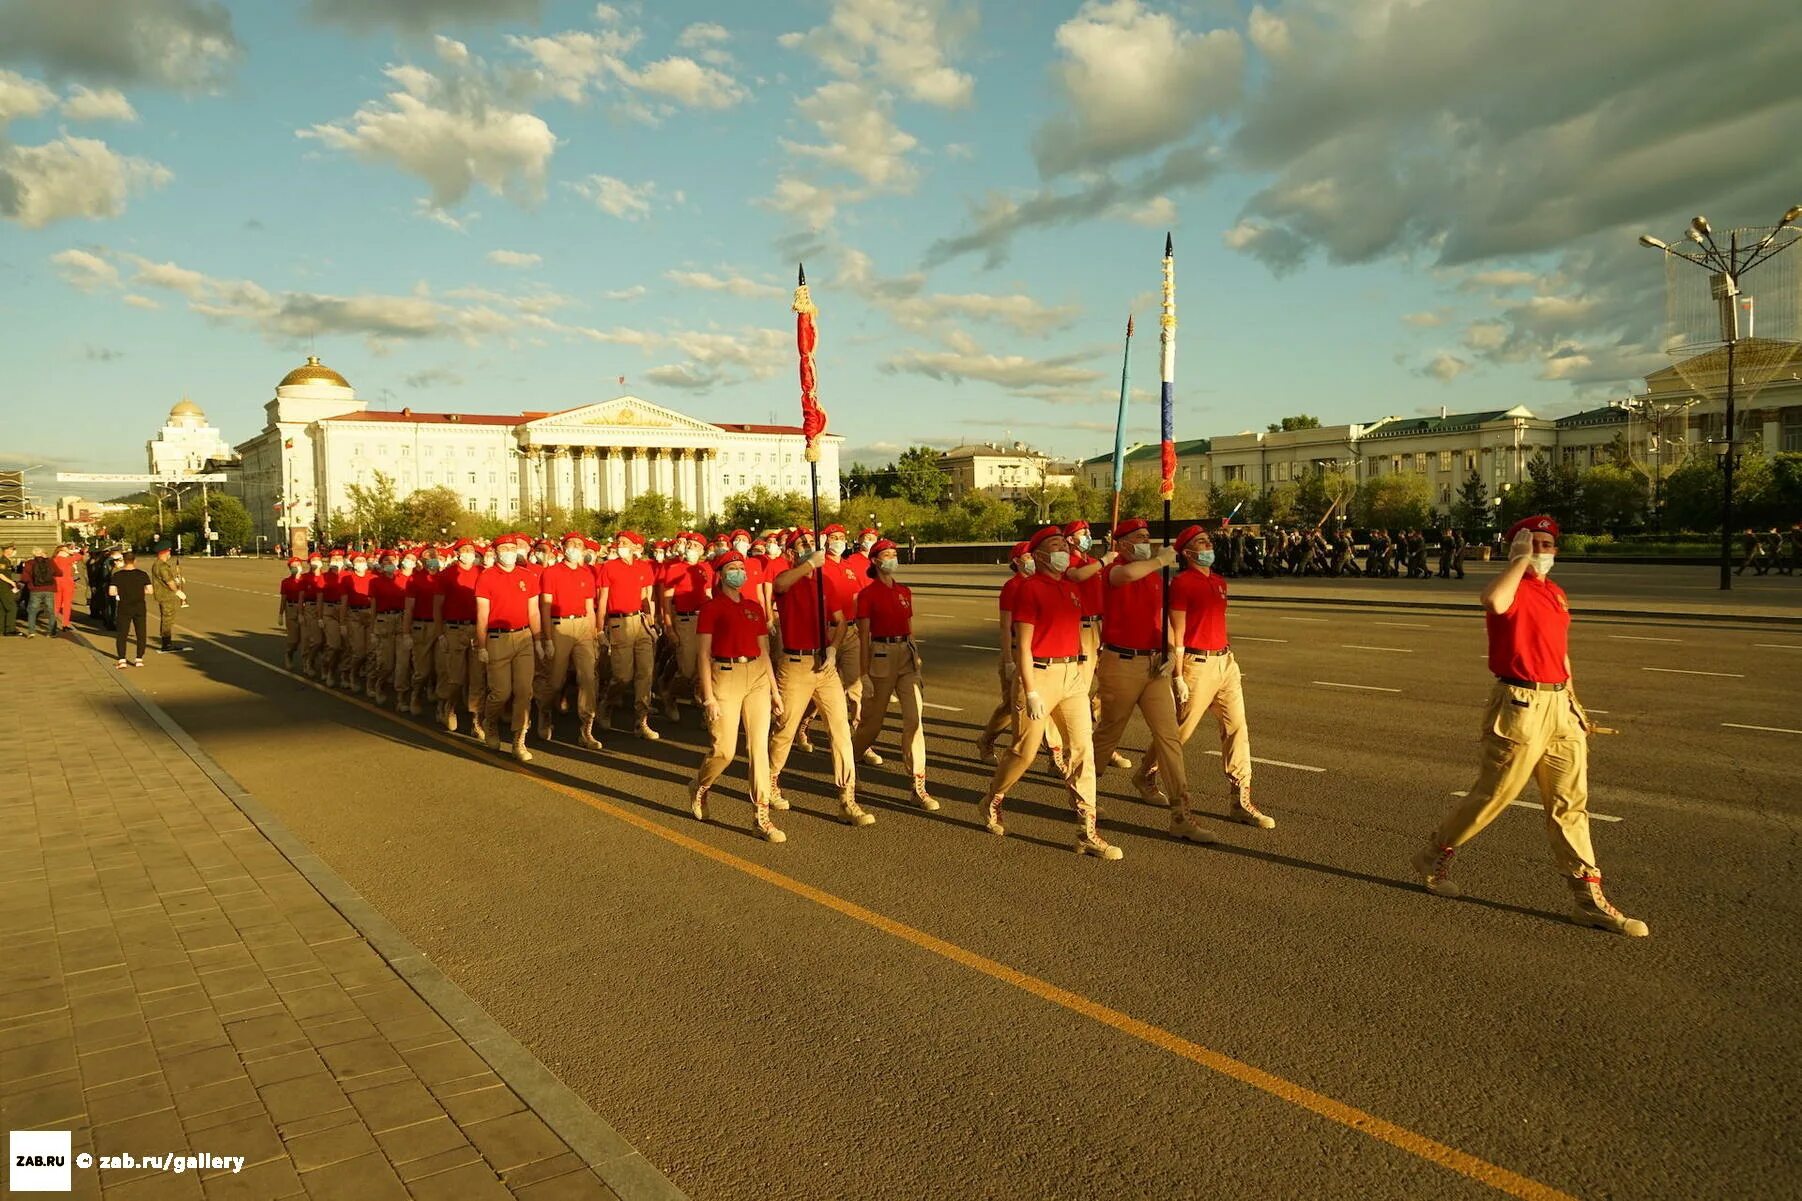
x=314 y=372
x=186 y=408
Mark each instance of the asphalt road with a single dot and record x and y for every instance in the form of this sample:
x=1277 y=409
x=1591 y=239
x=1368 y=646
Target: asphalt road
x=919 y=1009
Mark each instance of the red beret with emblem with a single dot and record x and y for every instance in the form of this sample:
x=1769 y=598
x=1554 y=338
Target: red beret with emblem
x=1539 y=523
x=1187 y=536
x=1131 y=525
x=1038 y=539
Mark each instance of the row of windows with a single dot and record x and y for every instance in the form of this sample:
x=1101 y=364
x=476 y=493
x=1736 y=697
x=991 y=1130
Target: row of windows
x=428 y=451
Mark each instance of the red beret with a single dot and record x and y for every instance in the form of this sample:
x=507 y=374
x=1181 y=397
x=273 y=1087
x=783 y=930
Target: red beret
x=632 y=536
x=831 y=530
x=1539 y=523
x=1131 y=525
x=575 y=536
x=882 y=544
x=1187 y=536
x=730 y=556
x=737 y=534
x=1020 y=548
x=1050 y=531
x=1070 y=530
x=866 y=530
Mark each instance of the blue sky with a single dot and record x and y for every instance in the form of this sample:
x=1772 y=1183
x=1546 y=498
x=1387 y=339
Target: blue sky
x=494 y=205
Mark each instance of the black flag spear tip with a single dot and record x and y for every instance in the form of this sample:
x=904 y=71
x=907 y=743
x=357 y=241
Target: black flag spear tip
x=1169 y=247
x=802 y=273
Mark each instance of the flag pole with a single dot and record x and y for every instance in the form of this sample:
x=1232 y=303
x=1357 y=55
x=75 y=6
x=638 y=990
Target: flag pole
x=813 y=424
x=1120 y=430
x=1167 y=398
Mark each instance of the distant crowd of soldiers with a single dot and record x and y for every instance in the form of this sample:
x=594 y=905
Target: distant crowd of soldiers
x=1393 y=554
x=1774 y=550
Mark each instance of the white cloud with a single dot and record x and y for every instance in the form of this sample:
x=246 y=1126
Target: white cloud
x=87 y=272
x=732 y=282
x=1500 y=279
x=903 y=44
x=631 y=293
x=686 y=82
x=571 y=63
x=1444 y=367
x=1013 y=372
x=1424 y=320
x=514 y=258
x=1157 y=213
x=616 y=197
x=187 y=44
x=419 y=16
x=860 y=137
x=452 y=128
x=107 y=104
x=703 y=34
x=683 y=375
x=141 y=302
x=70 y=177
x=1134 y=81
x=1486 y=336
x=813 y=205
x=575 y=63
x=22 y=97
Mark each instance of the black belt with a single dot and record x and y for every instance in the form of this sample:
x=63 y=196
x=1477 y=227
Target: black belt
x=572 y=617
x=1190 y=653
x=895 y=638
x=689 y=616
x=792 y=653
x=1089 y=621
x=448 y=624
x=1510 y=680
x=737 y=659
x=1126 y=652
x=623 y=616
x=1038 y=662
x=508 y=629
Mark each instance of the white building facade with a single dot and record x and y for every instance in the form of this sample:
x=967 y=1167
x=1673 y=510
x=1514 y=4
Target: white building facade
x=320 y=440
x=185 y=443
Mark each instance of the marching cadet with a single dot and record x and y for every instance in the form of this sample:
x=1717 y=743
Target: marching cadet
x=1534 y=729
x=170 y=594
x=737 y=687
x=331 y=616
x=847 y=654
x=625 y=598
x=688 y=583
x=289 y=617
x=891 y=661
x=387 y=597
x=1053 y=681
x=462 y=675
x=312 y=634
x=418 y=632
x=1446 y=551
x=858 y=557
x=1206 y=679
x=1136 y=670
x=1085 y=573
x=359 y=622
x=806 y=674
x=507 y=641
x=566 y=596
x=1020 y=565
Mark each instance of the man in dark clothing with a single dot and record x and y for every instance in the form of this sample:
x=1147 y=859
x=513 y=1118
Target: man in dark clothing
x=129 y=591
x=40 y=578
x=9 y=591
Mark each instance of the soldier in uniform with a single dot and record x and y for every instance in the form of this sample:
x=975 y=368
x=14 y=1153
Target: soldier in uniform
x=312 y=637
x=566 y=595
x=1533 y=729
x=737 y=687
x=287 y=616
x=462 y=675
x=1447 y=549
x=413 y=675
x=891 y=661
x=507 y=641
x=387 y=599
x=170 y=594
x=331 y=617
x=1085 y=572
x=626 y=584
x=687 y=586
x=9 y=590
x=359 y=622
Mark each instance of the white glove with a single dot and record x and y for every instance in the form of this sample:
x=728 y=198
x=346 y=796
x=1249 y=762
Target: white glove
x=817 y=559
x=1035 y=706
x=1009 y=669
x=1167 y=556
x=1521 y=547
x=712 y=708
x=1182 y=690
x=544 y=649
x=481 y=654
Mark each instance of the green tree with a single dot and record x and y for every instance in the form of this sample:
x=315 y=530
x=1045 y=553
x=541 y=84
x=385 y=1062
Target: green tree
x=1301 y=421
x=1321 y=492
x=654 y=515
x=231 y=524
x=760 y=508
x=975 y=517
x=1614 y=497
x=1229 y=495
x=136 y=526
x=1282 y=503
x=858 y=481
x=918 y=478
x=376 y=516
x=1470 y=512
x=1399 y=501
x=1555 y=488
x=436 y=512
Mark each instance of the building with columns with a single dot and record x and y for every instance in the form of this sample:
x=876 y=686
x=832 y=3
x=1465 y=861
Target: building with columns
x=320 y=439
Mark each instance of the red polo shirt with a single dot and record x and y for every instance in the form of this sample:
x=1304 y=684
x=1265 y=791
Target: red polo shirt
x=1531 y=640
x=1052 y=605
x=1093 y=589
x=889 y=608
x=331 y=587
x=1201 y=597
x=387 y=594
x=690 y=584
x=310 y=585
x=736 y=625
x=850 y=581
x=422 y=586
x=800 y=612
x=1133 y=617
x=355 y=588
x=292 y=587
x=571 y=589
x=625 y=584
x=509 y=595
x=457 y=585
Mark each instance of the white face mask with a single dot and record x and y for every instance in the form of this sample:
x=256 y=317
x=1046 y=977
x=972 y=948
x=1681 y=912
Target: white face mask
x=407 y=565
x=1028 y=566
x=692 y=555
x=488 y=559
x=733 y=576
x=888 y=566
x=1141 y=550
x=1084 y=542
x=1542 y=564
x=773 y=552
x=1058 y=560
x=741 y=546
x=835 y=546
x=626 y=551
x=467 y=558
x=337 y=564
x=572 y=555
x=508 y=557
x=360 y=568
x=867 y=543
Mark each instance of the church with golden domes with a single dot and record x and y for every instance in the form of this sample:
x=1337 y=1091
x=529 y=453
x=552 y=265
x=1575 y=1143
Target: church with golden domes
x=186 y=442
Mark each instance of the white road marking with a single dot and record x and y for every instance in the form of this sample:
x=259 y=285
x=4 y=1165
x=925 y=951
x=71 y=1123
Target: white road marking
x=1403 y=625
x=1641 y=638
x=1315 y=620
x=1600 y=817
x=1364 y=687
x=1684 y=671
x=946 y=708
x=1277 y=763
x=1248 y=638
x=946 y=616
x=1768 y=729
x=971 y=646
x=1397 y=650
x=1779 y=646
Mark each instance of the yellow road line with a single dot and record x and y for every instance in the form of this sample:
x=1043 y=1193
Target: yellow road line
x=1400 y=1137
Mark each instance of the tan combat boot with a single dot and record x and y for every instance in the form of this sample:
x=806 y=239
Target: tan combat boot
x=1151 y=789
x=765 y=826
x=1120 y=761
x=777 y=800
x=1432 y=865
x=489 y=739
x=1059 y=764
x=520 y=753
x=585 y=736
x=697 y=803
x=991 y=814
x=853 y=813
x=645 y=732
x=1183 y=826
x=922 y=797
x=871 y=758
x=1593 y=909
x=985 y=750
x=1245 y=813
x=447 y=715
x=1089 y=840
x=544 y=723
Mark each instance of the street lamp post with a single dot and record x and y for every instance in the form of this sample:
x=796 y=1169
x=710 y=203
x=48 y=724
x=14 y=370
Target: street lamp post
x=1728 y=267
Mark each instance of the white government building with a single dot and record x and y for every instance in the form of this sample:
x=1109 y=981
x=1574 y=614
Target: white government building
x=186 y=442
x=320 y=439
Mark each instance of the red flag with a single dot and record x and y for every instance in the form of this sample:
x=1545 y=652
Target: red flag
x=813 y=417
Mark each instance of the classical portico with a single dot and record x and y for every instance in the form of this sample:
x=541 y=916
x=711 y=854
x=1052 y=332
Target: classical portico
x=604 y=456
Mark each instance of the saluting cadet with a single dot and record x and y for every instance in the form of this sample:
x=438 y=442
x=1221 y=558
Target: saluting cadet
x=806 y=674
x=567 y=628
x=737 y=687
x=1054 y=683
x=1020 y=565
x=387 y=597
x=891 y=660
x=1207 y=680
x=462 y=676
x=625 y=597
x=289 y=617
x=688 y=584
x=1085 y=573
x=507 y=633
x=354 y=597
x=1136 y=669
x=1534 y=728
x=312 y=633
x=418 y=630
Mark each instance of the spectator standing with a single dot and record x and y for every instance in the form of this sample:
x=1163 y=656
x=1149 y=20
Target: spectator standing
x=40 y=579
x=67 y=563
x=128 y=591
x=9 y=591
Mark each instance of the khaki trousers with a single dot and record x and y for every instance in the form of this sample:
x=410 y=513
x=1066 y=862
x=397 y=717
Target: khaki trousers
x=894 y=671
x=384 y=634
x=743 y=693
x=462 y=678
x=1007 y=715
x=1135 y=684
x=291 y=623
x=573 y=642
x=799 y=683
x=1063 y=687
x=631 y=659
x=850 y=668
x=331 y=624
x=1215 y=687
x=510 y=660
x=311 y=640
x=421 y=662
x=1530 y=735
x=688 y=647
x=358 y=627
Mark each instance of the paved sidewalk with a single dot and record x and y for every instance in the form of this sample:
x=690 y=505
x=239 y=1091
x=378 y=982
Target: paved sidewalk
x=174 y=984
